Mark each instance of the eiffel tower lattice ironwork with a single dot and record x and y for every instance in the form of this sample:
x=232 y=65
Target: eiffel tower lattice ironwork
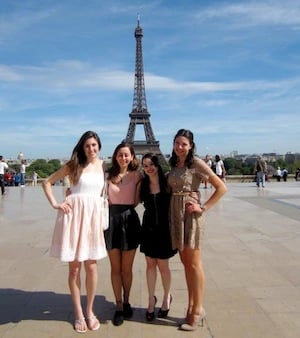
x=139 y=114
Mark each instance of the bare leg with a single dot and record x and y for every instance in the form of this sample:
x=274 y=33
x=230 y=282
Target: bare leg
x=91 y=287
x=116 y=276
x=151 y=275
x=75 y=285
x=126 y=270
x=163 y=265
x=190 y=297
x=195 y=279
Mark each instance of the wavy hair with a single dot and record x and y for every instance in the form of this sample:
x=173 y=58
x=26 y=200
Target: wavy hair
x=114 y=170
x=78 y=158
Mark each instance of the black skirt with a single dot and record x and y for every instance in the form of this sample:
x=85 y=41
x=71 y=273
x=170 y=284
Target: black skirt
x=124 y=229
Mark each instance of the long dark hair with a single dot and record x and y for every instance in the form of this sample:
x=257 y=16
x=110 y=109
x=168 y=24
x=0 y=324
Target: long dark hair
x=190 y=156
x=145 y=185
x=78 y=157
x=114 y=170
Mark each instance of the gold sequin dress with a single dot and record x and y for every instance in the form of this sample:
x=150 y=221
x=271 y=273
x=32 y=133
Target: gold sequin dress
x=186 y=229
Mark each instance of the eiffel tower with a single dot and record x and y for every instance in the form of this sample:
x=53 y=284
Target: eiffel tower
x=139 y=114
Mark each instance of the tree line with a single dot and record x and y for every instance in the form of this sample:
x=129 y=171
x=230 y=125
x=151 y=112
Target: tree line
x=239 y=167
x=42 y=167
x=233 y=167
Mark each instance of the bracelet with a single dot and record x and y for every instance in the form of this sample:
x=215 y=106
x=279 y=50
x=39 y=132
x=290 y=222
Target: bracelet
x=203 y=208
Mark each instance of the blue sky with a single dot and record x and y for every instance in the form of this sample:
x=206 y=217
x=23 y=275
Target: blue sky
x=227 y=70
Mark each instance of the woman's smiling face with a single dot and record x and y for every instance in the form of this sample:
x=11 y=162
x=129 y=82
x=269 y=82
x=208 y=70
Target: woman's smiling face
x=149 y=167
x=91 y=148
x=124 y=157
x=182 y=146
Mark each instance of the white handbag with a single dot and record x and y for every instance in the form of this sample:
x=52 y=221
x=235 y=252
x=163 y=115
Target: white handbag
x=105 y=206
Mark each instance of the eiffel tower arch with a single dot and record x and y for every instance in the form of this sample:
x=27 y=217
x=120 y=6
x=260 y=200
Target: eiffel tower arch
x=140 y=114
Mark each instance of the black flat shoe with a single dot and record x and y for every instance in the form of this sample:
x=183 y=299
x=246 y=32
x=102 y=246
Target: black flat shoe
x=164 y=313
x=118 y=318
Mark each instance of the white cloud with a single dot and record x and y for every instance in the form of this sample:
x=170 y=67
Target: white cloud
x=216 y=68
x=262 y=12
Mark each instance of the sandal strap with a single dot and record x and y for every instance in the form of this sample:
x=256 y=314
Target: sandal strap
x=91 y=318
x=95 y=321
x=80 y=320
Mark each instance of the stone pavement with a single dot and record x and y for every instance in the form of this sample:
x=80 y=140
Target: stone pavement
x=251 y=258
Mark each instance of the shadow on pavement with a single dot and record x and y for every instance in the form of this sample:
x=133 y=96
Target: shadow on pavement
x=18 y=305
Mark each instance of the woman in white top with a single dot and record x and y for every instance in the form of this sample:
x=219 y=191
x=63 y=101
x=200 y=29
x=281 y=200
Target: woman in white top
x=78 y=234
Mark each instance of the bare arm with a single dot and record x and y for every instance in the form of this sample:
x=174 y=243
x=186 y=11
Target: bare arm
x=47 y=186
x=138 y=191
x=220 y=190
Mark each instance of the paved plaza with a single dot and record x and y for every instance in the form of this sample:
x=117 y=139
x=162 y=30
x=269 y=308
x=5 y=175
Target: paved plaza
x=251 y=256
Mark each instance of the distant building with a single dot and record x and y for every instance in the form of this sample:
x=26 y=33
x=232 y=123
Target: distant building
x=292 y=157
x=234 y=154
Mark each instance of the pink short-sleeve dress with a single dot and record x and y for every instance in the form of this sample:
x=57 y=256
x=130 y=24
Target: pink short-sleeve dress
x=78 y=235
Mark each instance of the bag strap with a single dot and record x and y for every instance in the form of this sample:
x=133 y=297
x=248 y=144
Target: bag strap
x=104 y=192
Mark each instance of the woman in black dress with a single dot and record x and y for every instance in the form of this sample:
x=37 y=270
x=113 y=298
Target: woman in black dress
x=156 y=240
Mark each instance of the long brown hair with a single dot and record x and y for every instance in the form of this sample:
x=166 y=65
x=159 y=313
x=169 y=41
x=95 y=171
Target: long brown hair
x=114 y=171
x=78 y=157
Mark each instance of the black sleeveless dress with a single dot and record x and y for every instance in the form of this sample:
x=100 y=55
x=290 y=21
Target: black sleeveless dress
x=155 y=235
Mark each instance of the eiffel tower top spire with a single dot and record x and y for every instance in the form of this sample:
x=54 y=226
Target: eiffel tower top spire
x=139 y=97
x=139 y=114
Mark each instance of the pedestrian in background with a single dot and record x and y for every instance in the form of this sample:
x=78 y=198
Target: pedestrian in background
x=284 y=174
x=3 y=167
x=34 y=178
x=260 y=171
x=22 y=173
x=278 y=174
x=17 y=179
x=220 y=168
x=208 y=161
x=297 y=174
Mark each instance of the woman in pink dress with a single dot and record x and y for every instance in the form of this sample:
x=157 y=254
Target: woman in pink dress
x=78 y=235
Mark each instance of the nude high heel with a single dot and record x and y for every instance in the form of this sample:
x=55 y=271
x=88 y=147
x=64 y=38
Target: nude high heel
x=194 y=321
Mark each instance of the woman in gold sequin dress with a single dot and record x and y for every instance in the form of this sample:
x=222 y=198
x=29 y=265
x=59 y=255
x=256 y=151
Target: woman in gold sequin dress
x=186 y=217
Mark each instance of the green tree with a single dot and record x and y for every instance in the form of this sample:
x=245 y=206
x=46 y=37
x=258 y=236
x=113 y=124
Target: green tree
x=233 y=166
x=43 y=168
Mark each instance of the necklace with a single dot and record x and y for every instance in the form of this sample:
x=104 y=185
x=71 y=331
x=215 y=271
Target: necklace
x=121 y=176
